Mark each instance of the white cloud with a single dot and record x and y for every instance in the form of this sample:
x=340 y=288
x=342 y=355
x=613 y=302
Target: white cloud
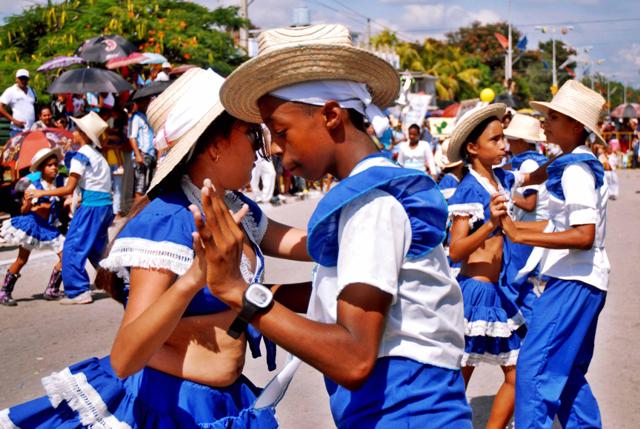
x=419 y=18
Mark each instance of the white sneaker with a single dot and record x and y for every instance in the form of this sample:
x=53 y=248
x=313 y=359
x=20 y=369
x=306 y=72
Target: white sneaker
x=83 y=298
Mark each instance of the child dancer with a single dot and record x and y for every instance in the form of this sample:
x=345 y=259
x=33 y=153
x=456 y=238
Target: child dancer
x=37 y=227
x=491 y=315
x=556 y=354
x=386 y=317
x=87 y=235
x=453 y=172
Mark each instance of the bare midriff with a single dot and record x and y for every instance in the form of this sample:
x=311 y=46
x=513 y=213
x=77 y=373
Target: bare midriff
x=485 y=263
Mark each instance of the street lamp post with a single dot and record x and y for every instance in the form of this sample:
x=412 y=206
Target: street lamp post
x=554 y=70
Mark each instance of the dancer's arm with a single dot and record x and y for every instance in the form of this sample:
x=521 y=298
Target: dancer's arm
x=345 y=351
x=579 y=237
x=67 y=189
x=526 y=203
x=156 y=303
x=462 y=244
x=284 y=241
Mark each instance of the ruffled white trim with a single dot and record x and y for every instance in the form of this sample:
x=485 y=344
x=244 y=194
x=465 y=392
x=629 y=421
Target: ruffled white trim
x=5 y=421
x=475 y=211
x=493 y=329
x=503 y=359
x=18 y=237
x=139 y=252
x=81 y=398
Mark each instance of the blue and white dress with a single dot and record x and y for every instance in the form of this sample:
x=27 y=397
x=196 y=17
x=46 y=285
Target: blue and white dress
x=89 y=394
x=32 y=231
x=491 y=314
x=448 y=185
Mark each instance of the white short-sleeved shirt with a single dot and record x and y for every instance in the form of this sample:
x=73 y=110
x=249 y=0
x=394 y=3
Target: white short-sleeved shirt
x=426 y=319
x=417 y=157
x=541 y=211
x=583 y=205
x=22 y=104
x=93 y=170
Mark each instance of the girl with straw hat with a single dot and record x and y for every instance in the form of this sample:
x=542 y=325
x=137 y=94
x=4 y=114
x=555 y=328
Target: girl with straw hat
x=37 y=227
x=385 y=320
x=88 y=230
x=172 y=363
x=493 y=321
x=554 y=359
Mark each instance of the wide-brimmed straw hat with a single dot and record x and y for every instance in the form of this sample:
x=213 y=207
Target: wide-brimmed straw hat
x=42 y=155
x=467 y=123
x=287 y=56
x=208 y=85
x=92 y=125
x=524 y=127
x=444 y=162
x=578 y=102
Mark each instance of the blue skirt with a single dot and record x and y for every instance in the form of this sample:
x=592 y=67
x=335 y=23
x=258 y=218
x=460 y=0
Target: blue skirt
x=490 y=325
x=89 y=394
x=32 y=232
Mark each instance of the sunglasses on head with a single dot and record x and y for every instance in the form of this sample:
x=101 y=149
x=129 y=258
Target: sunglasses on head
x=258 y=141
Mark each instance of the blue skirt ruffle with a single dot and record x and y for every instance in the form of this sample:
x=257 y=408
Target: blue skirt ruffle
x=32 y=232
x=490 y=325
x=89 y=394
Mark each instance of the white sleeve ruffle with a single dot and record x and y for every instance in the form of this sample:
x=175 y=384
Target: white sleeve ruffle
x=475 y=211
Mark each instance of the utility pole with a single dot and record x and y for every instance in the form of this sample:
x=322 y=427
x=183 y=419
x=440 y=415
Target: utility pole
x=368 y=43
x=554 y=72
x=244 y=32
x=509 y=68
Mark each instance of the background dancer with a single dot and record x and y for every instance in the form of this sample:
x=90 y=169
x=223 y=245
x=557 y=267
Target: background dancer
x=556 y=355
x=37 y=227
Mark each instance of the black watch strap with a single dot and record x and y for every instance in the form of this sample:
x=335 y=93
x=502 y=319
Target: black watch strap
x=238 y=326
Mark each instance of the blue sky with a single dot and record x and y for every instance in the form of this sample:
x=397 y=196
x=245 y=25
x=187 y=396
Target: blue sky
x=610 y=27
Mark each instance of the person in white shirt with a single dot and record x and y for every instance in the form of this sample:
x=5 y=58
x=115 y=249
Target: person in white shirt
x=22 y=100
x=163 y=75
x=416 y=153
x=87 y=236
x=559 y=345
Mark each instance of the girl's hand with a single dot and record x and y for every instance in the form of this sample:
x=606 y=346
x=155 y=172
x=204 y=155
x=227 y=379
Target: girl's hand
x=497 y=209
x=509 y=228
x=33 y=193
x=196 y=274
x=222 y=240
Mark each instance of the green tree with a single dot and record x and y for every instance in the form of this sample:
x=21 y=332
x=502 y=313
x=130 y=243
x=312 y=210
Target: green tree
x=182 y=31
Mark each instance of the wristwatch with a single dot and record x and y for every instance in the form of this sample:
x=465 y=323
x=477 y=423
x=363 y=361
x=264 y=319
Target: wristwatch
x=257 y=298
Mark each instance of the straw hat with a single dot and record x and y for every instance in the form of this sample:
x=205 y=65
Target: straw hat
x=160 y=108
x=301 y=54
x=466 y=124
x=444 y=161
x=578 y=102
x=525 y=127
x=92 y=125
x=42 y=155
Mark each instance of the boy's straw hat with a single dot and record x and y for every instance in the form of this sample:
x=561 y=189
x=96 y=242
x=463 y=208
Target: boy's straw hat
x=578 y=102
x=42 y=155
x=301 y=54
x=466 y=124
x=208 y=84
x=525 y=127
x=92 y=125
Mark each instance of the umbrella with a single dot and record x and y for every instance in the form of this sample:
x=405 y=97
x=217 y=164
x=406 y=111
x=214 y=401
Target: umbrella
x=451 y=111
x=19 y=150
x=103 y=48
x=80 y=81
x=627 y=111
x=154 y=88
x=153 y=58
x=134 y=58
x=60 y=62
x=181 y=69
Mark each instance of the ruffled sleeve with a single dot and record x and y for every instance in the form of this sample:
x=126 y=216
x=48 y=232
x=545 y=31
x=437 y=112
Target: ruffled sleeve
x=466 y=201
x=159 y=237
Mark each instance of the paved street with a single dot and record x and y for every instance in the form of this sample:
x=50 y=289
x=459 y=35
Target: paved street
x=39 y=337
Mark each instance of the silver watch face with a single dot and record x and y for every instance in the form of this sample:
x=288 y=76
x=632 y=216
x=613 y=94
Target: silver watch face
x=259 y=295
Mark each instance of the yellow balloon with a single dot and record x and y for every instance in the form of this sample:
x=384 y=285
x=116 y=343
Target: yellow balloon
x=487 y=95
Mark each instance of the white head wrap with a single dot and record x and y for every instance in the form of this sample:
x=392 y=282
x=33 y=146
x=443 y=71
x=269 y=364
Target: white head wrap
x=348 y=94
x=200 y=96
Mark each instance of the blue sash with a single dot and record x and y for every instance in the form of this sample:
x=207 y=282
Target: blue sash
x=556 y=168
x=418 y=193
x=517 y=160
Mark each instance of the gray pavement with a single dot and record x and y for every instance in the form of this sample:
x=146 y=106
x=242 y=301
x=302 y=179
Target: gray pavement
x=39 y=337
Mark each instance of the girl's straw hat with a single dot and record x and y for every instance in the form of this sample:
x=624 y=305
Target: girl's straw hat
x=578 y=102
x=208 y=85
x=524 y=127
x=293 y=55
x=444 y=161
x=92 y=125
x=466 y=124
x=42 y=155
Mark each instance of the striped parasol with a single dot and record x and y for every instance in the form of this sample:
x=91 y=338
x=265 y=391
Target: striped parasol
x=60 y=62
x=134 y=58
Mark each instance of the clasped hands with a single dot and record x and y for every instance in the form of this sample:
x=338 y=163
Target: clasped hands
x=500 y=216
